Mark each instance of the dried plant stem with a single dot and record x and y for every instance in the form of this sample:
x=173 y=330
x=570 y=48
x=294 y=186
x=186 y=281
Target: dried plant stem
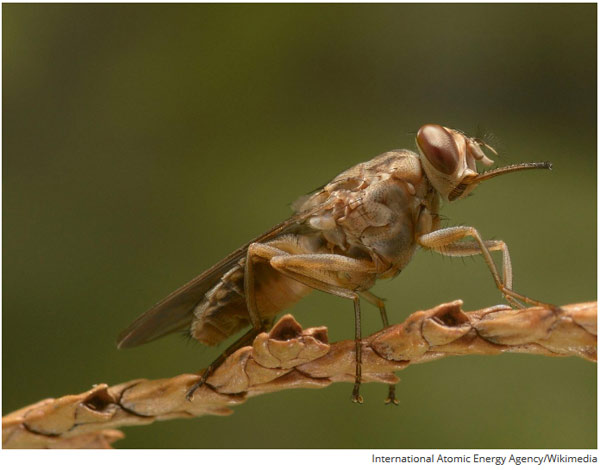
x=289 y=357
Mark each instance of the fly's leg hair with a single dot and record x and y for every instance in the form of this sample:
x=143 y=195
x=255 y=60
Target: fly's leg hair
x=448 y=241
x=379 y=303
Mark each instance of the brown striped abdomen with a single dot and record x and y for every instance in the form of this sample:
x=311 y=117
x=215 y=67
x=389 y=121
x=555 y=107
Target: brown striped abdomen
x=223 y=310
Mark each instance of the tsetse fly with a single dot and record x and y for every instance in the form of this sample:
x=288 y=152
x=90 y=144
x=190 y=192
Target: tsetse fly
x=363 y=226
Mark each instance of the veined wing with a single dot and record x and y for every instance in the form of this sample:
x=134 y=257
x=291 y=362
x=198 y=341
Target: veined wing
x=174 y=313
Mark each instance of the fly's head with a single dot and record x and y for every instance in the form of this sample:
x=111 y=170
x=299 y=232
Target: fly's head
x=450 y=158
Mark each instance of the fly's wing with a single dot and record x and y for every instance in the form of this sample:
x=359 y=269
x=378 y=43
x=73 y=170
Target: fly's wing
x=175 y=312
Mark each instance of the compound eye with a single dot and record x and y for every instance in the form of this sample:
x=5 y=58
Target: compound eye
x=439 y=148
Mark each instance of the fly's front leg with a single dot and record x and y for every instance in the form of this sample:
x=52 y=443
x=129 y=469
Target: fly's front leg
x=470 y=248
x=379 y=303
x=325 y=272
x=448 y=242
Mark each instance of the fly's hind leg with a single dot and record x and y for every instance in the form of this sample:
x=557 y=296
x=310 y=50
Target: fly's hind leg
x=318 y=271
x=380 y=304
x=241 y=342
x=255 y=250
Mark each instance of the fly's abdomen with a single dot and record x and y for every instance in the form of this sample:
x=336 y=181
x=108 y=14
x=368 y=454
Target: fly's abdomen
x=223 y=311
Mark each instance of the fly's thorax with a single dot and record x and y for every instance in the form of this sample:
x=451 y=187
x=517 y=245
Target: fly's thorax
x=388 y=213
x=401 y=164
x=377 y=222
x=332 y=233
x=371 y=210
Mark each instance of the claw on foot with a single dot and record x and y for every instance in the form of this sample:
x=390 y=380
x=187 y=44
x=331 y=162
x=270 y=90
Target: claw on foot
x=512 y=297
x=190 y=393
x=357 y=399
x=391 y=398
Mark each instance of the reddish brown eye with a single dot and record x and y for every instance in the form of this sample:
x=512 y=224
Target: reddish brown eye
x=439 y=147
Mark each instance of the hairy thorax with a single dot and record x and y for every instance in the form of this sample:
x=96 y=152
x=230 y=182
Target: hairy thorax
x=376 y=210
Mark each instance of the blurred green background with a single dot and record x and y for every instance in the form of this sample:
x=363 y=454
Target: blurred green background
x=142 y=143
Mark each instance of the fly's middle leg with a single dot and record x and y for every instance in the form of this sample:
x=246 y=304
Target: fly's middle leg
x=380 y=304
x=324 y=272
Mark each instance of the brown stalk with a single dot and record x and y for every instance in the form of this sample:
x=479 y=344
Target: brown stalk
x=289 y=357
